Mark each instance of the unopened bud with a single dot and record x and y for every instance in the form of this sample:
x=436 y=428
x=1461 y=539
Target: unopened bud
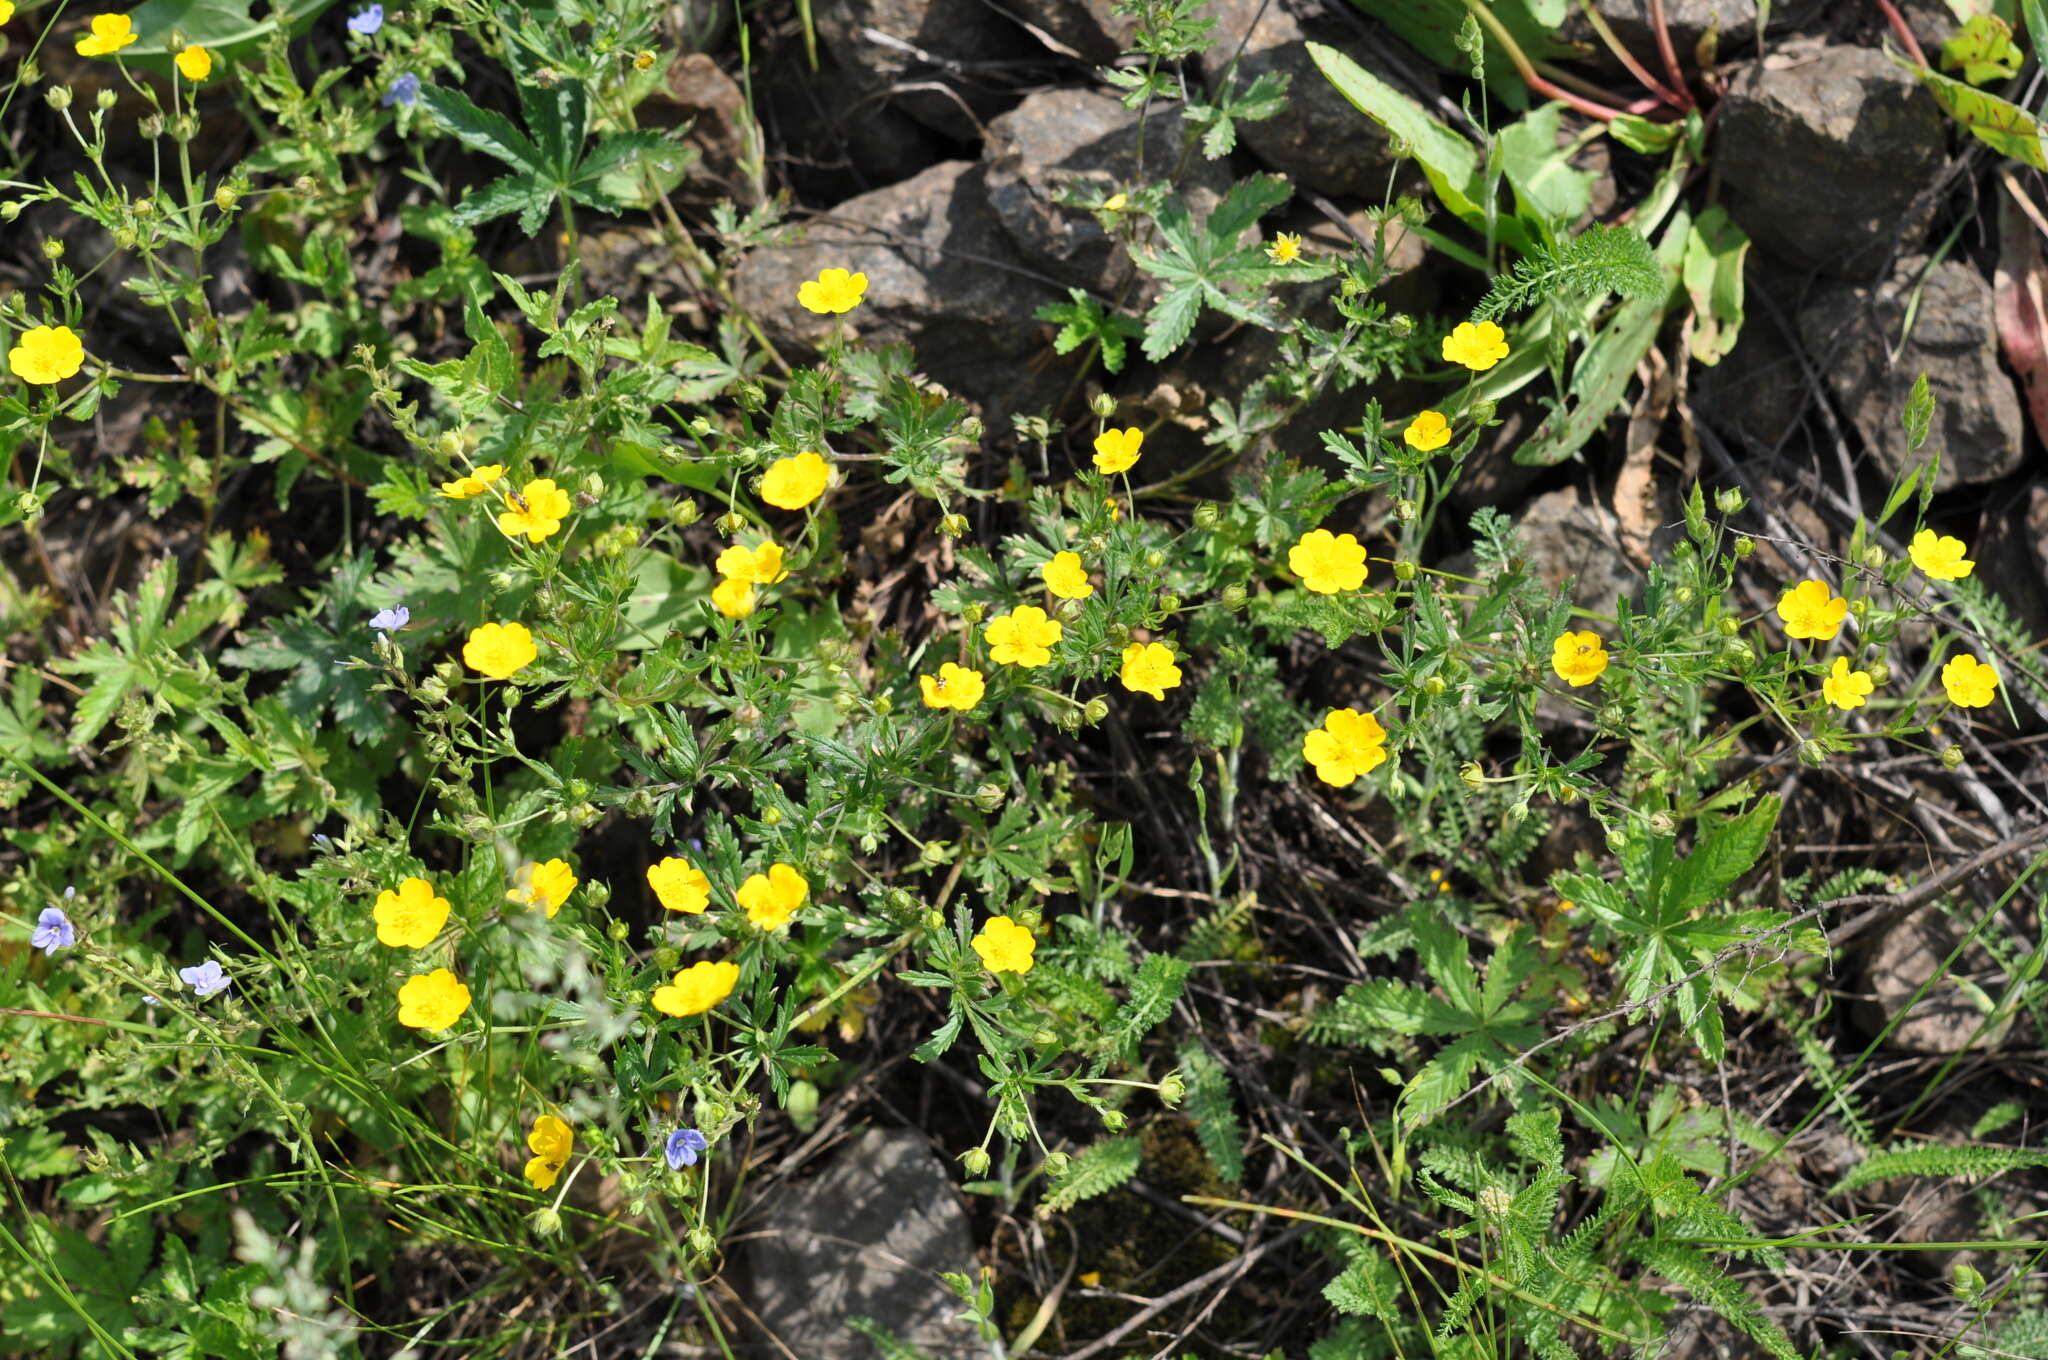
x=53 y=249
x=666 y=957
x=771 y=815
x=1401 y=325
x=1171 y=1089
x=593 y=485
x=225 y=197
x=1168 y=602
x=1405 y=510
x=1873 y=557
x=58 y=97
x=1617 y=841
x=1114 y=1120
x=1744 y=546
x=1104 y=405
x=1472 y=774
x=685 y=512
x=1951 y=757
x=618 y=931
x=702 y=1242
x=1879 y=674
x=989 y=797
x=1208 y=515
x=751 y=396
x=545 y=1222
x=953 y=524
x=1404 y=571
x=1812 y=753
x=975 y=1160
x=971 y=429
x=1433 y=685
x=1663 y=824
x=1483 y=410
x=1729 y=500
x=1234 y=597
x=1095 y=710
x=105 y=99
x=1056 y=1164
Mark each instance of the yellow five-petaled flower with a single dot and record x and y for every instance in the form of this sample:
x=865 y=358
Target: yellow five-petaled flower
x=1940 y=556
x=499 y=650
x=772 y=898
x=195 y=63
x=955 y=687
x=1578 y=658
x=793 y=483
x=411 y=917
x=761 y=566
x=1846 y=688
x=1477 y=347
x=833 y=291
x=110 y=33
x=696 y=989
x=546 y=886
x=1149 y=669
x=1347 y=745
x=46 y=354
x=433 y=1000
x=475 y=484
x=1969 y=682
x=1004 y=946
x=537 y=511
x=680 y=885
x=550 y=1143
x=1328 y=563
x=1066 y=577
x=1428 y=432
x=1811 y=610
x=1023 y=637
x=1117 y=450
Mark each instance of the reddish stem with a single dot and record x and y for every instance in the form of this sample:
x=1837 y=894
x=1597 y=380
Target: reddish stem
x=1668 y=52
x=1905 y=34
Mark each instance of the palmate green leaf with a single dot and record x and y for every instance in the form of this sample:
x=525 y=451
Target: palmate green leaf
x=526 y=195
x=1198 y=260
x=1382 y=1004
x=482 y=129
x=1724 y=853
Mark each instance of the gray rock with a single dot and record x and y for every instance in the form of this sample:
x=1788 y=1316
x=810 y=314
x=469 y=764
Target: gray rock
x=1058 y=138
x=1319 y=140
x=1900 y=960
x=1566 y=536
x=1758 y=389
x=869 y=1237
x=1732 y=22
x=833 y=137
x=1089 y=29
x=1978 y=424
x=942 y=276
x=944 y=62
x=2014 y=555
x=1824 y=157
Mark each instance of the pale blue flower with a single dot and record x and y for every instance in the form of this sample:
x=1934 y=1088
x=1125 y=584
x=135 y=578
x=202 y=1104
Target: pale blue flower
x=404 y=90
x=391 y=620
x=366 y=20
x=682 y=1147
x=53 y=932
x=206 y=979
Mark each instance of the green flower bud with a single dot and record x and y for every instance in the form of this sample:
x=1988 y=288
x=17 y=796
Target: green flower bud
x=58 y=97
x=1404 y=571
x=618 y=931
x=953 y=525
x=1744 y=546
x=971 y=429
x=1483 y=410
x=597 y=893
x=1095 y=710
x=1401 y=325
x=884 y=705
x=975 y=1160
x=1879 y=674
x=1208 y=515
x=1617 y=841
x=667 y=957
x=1873 y=557
x=1027 y=917
x=935 y=919
x=1729 y=500
x=1104 y=405
x=1433 y=685
x=1114 y=1120
x=1155 y=559
x=433 y=691
x=1171 y=1089
x=751 y=396
x=1812 y=753
x=1663 y=824
x=1168 y=602
x=545 y=1223
x=702 y=1242
x=1951 y=757
x=106 y=99
x=973 y=614
x=989 y=797
x=702 y=427
x=1405 y=510
x=684 y=512
x=1729 y=625
x=1473 y=776
x=1859 y=607
x=1044 y=1038
x=1056 y=1164
x=29 y=504
x=731 y=522
x=1685 y=594
x=1234 y=597
x=771 y=815
x=9 y=211
x=53 y=249
x=593 y=485
x=226 y=197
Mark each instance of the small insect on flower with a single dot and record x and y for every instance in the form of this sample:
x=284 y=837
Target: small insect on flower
x=1023 y=637
x=110 y=33
x=53 y=932
x=475 y=484
x=793 y=483
x=546 y=886
x=499 y=650
x=195 y=63
x=1940 y=557
x=1284 y=248
x=433 y=1000
x=1428 y=432
x=411 y=917
x=1149 y=669
x=1477 y=347
x=679 y=885
x=1578 y=658
x=772 y=898
x=366 y=21
x=696 y=989
x=1844 y=688
x=1117 y=450
x=550 y=1142
x=1005 y=946
x=46 y=354
x=390 y=620
x=538 y=511
x=404 y=91
x=1328 y=563
x=1969 y=682
x=956 y=687
x=683 y=1147
x=832 y=292
x=204 y=979
x=1066 y=577
x=1811 y=610
x=1347 y=745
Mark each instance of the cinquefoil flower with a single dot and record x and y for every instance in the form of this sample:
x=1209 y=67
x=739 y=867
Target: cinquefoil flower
x=793 y=483
x=696 y=989
x=1328 y=563
x=1347 y=745
x=1578 y=658
x=679 y=885
x=833 y=291
x=1004 y=946
x=411 y=917
x=956 y=687
x=1811 y=610
x=550 y=1142
x=46 y=354
x=1023 y=637
x=1940 y=557
x=1969 y=682
x=772 y=898
x=1477 y=347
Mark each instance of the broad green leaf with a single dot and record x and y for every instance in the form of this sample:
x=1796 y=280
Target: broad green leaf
x=1442 y=1079
x=228 y=28
x=1547 y=186
x=1450 y=162
x=1983 y=47
x=1724 y=853
x=1429 y=26
x=1384 y=1003
x=481 y=130
x=1714 y=252
x=1640 y=134
x=2006 y=128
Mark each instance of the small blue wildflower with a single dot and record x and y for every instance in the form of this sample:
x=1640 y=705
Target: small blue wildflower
x=366 y=20
x=682 y=1147
x=148 y=1000
x=404 y=90
x=391 y=620
x=323 y=840
x=53 y=932
x=206 y=979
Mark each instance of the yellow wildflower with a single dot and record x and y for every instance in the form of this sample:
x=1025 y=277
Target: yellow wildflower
x=956 y=687
x=1811 y=610
x=1428 y=432
x=762 y=565
x=833 y=291
x=1149 y=669
x=1845 y=688
x=1117 y=450
x=536 y=512
x=697 y=989
x=411 y=917
x=475 y=484
x=772 y=898
x=433 y=1000
x=1969 y=682
x=1285 y=248
x=1328 y=563
x=195 y=63
x=680 y=885
x=499 y=649
x=46 y=354
x=793 y=483
x=1940 y=556
x=544 y=885
x=110 y=33
x=1578 y=658
x=1347 y=745
x=733 y=597
x=1023 y=637
x=1066 y=577
x=550 y=1143
x=1004 y=946
x=1477 y=347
